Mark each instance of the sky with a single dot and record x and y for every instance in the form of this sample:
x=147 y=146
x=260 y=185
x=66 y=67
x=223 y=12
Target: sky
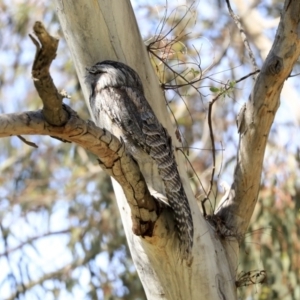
x=53 y=249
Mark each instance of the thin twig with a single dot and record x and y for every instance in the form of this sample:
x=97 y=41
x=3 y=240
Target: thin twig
x=31 y=144
x=172 y=26
x=59 y=274
x=210 y=106
x=190 y=83
x=238 y=23
x=32 y=239
x=193 y=170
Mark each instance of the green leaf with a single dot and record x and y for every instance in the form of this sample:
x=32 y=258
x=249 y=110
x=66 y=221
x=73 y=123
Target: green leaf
x=214 y=89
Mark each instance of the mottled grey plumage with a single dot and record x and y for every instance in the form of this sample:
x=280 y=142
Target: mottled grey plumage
x=117 y=95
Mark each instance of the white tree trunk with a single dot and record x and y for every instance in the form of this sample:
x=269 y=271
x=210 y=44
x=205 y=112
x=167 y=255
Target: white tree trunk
x=99 y=30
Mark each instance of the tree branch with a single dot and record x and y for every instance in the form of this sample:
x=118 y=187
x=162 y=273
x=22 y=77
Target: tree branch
x=238 y=23
x=32 y=239
x=45 y=53
x=60 y=121
x=60 y=274
x=256 y=118
x=110 y=151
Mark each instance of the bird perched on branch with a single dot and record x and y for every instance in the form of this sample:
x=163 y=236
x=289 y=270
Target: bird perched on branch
x=117 y=98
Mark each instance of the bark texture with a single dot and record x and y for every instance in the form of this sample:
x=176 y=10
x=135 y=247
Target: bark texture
x=114 y=159
x=97 y=31
x=256 y=118
x=101 y=30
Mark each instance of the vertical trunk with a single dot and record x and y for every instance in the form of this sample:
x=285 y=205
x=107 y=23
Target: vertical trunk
x=100 y=30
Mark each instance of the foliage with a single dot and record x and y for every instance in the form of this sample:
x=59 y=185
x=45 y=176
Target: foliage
x=61 y=232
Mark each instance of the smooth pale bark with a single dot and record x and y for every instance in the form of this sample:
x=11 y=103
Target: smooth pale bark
x=99 y=30
x=254 y=23
x=255 y=120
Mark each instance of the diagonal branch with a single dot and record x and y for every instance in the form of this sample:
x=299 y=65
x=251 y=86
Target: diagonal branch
x=226 y=89
x=256 y=118
x=109 y=150
x=60 y=274
x=60 y=121
x=31 y=240
x=238 y=23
